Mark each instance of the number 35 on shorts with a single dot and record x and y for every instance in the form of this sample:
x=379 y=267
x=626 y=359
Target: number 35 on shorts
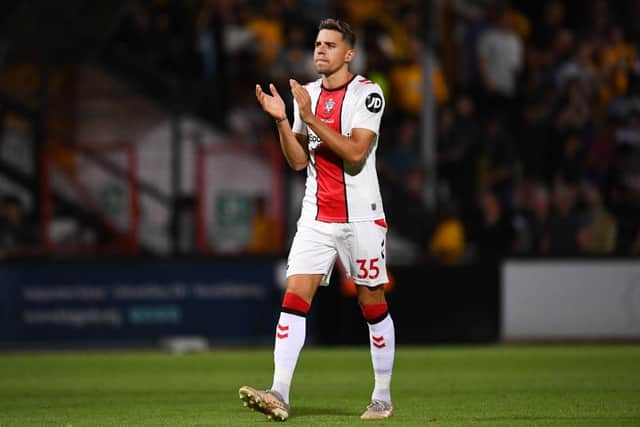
x=368 y=268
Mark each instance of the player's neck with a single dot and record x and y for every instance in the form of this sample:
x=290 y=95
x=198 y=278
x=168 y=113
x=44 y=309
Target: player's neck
x=337 y=79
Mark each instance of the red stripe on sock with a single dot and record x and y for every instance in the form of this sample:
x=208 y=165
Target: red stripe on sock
x=294 y=302
x=373 y=311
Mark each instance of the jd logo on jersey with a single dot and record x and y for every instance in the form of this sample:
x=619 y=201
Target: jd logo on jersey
x=373 y=103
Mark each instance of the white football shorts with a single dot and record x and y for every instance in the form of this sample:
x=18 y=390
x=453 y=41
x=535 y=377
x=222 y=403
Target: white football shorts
x=360 y=246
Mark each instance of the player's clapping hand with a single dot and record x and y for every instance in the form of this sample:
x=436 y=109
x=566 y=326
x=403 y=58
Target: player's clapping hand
x=271 y=104
x=302 y=98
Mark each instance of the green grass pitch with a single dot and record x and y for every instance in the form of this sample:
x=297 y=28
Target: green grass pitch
x=575 y=385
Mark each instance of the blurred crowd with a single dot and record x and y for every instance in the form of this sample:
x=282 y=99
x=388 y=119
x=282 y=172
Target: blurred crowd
x=538 y=113
x=537 y=108
x=546 y=115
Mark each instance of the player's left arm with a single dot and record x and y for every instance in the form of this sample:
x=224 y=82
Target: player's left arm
x=352 y=149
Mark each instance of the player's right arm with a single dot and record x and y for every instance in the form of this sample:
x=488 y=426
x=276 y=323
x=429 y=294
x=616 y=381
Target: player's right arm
x=293 y=145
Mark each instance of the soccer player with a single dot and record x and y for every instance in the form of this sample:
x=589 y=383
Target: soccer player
x=334 y=136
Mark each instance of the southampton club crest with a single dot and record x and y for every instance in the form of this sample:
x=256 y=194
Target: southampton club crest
x=328 y=106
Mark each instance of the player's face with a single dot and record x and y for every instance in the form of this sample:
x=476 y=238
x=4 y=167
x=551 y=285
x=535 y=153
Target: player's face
x=331 y=53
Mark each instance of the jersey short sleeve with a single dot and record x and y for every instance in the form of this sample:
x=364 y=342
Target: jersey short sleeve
x=369 y=108
x=298 y=125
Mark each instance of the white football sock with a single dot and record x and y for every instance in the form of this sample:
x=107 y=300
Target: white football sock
x=382 y=339
x=290 y=335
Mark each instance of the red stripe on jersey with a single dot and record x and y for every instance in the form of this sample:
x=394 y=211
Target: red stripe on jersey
x=365 y=81
x=331 y=193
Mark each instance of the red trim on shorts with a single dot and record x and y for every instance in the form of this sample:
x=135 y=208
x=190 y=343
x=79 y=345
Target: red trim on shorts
x=381 y=222
x=295 y=303
x=373 y=312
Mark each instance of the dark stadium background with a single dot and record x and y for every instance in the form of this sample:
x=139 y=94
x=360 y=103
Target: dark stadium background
x=144 y=199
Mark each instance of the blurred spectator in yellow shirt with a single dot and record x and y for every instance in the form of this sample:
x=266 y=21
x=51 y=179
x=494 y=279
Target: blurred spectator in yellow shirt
x=617 y=59
x=265 y=235
x=269 y=30
x=447 y=243
x=406 y=78
x=599 y=233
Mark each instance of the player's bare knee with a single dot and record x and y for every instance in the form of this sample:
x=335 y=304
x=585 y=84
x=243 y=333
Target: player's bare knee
x=370 y=295
x=304 y=285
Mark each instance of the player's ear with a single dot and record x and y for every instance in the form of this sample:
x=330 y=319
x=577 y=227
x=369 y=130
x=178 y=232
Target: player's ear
x=349 y=55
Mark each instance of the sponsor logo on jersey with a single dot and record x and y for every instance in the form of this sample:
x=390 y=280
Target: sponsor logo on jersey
x=314 y=141
x=373 y=102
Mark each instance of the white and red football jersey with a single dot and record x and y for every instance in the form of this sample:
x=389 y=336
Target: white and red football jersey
x=336 y=191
